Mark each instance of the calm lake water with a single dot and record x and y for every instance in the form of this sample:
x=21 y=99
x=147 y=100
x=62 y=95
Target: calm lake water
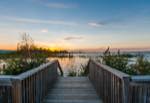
x=71 y=63
x=77 y=60
x=82 y=59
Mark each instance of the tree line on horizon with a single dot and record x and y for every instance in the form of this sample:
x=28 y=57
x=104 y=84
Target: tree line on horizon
x=27 y=48
x=27 y=56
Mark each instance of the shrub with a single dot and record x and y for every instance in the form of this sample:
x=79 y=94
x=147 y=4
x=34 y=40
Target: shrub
x=29 y=57
x=142 y=66
x=72 y=72
x=115 y=60
x=83 y=71
x=129 y=70
x=120 y=62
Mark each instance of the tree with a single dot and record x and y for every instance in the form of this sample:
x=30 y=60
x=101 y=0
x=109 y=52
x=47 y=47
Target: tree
x=26 y=46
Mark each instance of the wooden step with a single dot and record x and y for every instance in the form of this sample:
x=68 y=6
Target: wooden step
x=73 y=79
x=72 y=101
x=73 y=96
x=72 y=90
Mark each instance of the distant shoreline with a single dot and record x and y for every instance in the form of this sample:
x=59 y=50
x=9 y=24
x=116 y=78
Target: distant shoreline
x=80 y=52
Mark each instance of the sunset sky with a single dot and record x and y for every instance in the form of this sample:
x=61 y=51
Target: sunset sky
x=76 y=24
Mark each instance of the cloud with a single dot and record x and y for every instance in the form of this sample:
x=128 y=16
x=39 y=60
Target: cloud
x=73 y=38
x=38 y=21
x=56 y=5
x=60 y=5
x=96 y=24
x=104 y=22
x=44 y=30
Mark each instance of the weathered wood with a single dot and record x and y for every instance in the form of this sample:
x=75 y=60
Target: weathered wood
x=72 y=90
x=114 y=86
x=16 y=91
x=30 y=86
x=141 y=78
x=110 y=84
x=126 y=85
x=60 y=69
x=139 y=89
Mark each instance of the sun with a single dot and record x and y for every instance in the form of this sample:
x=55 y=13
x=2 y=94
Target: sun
x=55 y=48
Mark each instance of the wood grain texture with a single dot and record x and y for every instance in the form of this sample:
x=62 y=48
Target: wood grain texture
x=72 y=90
x=111 y=85
x=30 y=86
x=114 y=86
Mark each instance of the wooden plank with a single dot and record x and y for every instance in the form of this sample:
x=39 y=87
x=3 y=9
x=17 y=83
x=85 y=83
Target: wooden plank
x=114 y=84
x=71 y=90
x=28 y=87
x=141 y=78
x=109 y=69
x=125 y=86
x=6 y=80
x=118 y=87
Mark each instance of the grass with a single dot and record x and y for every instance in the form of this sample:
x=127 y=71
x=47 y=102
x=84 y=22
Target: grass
x=27 y=57
x=120 y=62
x=72 y=72
x=82 y=71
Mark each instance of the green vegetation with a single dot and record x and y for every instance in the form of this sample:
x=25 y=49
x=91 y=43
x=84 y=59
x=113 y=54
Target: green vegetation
x=142 y=66
x=17 y=66
x=115 y=60
x=72 y=72
x=9 y=55
x=127 y=55
x=120 y=62
x=83 y=71
x=27 y=57
x=45 y=51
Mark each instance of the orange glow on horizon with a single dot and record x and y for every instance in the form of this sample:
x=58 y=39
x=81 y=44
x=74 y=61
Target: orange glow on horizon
x=8 y=47
x=63 y=47
x=55 y=49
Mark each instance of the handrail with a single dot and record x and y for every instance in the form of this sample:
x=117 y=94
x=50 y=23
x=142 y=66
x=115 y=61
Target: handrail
x=41 y=67
x=110 y=84
x=114 y=86
x=141 y=78
x=111 y=70
x=33 y=71
x=30 y=86
x=60 y=69
x=6 y=80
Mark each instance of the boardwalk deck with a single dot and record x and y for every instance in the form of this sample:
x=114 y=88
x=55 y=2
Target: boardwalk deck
x=72 y=90
x=111 y=85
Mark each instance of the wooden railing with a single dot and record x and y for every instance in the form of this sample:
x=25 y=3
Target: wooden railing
x=114 y=86
x=29 y=87
x=139 y=89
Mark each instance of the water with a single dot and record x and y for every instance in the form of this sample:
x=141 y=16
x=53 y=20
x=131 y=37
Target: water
x=77 y=60
x=82 y=59
x=71 y=63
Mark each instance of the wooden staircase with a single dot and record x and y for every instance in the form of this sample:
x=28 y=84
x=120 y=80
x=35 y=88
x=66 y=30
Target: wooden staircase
x=72 y=90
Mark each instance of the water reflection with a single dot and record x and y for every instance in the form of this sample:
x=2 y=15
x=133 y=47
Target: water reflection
x=76 y=60
x=71 y=63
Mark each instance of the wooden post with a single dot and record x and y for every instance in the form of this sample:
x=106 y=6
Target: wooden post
x=16 y=91
x=126 y=84
x=30 y=86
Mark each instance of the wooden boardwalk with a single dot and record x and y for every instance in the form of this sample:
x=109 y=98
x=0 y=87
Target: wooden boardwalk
x=44 y=85
x=72 y=90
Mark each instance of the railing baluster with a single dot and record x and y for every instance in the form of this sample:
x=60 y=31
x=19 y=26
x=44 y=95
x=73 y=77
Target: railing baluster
x=29 y=87
x=114 y=86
